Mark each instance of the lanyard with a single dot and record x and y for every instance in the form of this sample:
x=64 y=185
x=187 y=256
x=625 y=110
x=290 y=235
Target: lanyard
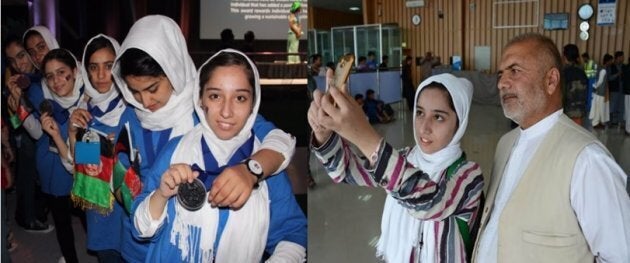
x=212 y=168
x=96 y=111
x=212 y=172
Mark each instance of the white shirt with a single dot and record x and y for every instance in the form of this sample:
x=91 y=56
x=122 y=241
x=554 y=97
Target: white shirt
x=601 y=203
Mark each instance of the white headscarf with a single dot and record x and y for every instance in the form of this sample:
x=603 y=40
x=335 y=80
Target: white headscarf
x=70 y=101
x=161 y=38
x=400 y=231
x=102 y=100
x=48 y=37
x=224 y=149
x=252 y=220
x=461 y=91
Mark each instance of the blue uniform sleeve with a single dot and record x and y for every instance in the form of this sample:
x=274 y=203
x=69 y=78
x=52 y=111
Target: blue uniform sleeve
x=262 y=126
x=287 y=222
x=35 y=96
x=151 y=180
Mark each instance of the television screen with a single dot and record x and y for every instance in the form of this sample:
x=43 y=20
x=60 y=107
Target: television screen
x=268 y=19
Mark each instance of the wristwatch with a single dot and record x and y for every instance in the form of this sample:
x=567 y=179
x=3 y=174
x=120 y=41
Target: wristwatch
x=255 y=169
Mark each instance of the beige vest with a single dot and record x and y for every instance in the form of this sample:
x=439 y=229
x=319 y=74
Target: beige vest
x=538 y=223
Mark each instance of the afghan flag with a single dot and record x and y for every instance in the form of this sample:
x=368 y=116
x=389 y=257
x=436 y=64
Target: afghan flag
x=91 y=188
x=126 y=181
x=24 y=109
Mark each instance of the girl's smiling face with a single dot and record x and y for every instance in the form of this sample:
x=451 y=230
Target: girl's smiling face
x=227 y=99
x=59 y=77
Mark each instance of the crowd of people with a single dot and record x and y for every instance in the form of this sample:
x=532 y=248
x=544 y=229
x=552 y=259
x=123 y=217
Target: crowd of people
x=599 y=93
x=131 y=132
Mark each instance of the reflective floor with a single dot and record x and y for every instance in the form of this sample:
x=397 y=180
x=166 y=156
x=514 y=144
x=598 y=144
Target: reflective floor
x=344 y=221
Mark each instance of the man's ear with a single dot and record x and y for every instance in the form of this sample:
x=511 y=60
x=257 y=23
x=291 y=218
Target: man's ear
x=552 y=81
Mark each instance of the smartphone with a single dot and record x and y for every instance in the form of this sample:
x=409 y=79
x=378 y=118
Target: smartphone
x=342 y=71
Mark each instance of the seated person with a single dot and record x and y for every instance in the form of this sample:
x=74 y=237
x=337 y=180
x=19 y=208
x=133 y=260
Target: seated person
x=362 y=66
x=383 y=65
x=371 y=60
x=376 y=110
x=360 y=99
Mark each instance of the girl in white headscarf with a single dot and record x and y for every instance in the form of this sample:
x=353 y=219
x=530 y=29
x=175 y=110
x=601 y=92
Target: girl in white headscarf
x=227 y=101
x=63 y=90
x=156 y=76
x=434 y=192
x=105 y=113
x=38 y=40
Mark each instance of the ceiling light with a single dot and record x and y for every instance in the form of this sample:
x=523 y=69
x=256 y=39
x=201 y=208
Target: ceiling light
x=354 y=8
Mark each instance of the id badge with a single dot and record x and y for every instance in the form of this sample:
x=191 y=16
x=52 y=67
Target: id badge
x=88 y=150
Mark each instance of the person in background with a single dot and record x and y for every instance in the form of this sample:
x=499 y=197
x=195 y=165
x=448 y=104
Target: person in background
x=227 y=39
x=248 y=42
x=599 y=110
x=371 y=61
x=574 y=87
x=556 y=194
x=24 y=85
x=295 y=32
x=590 y=69
x=383 y=65
x=615 y=88
x=426 y=65
x=407 y=82
x=359 y=99
x=316 y=66
x=375 y=109
x=38 y=40
x=8 y=244
x=362 y=65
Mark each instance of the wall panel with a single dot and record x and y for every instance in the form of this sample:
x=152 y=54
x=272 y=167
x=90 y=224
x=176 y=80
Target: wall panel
x=469 y=23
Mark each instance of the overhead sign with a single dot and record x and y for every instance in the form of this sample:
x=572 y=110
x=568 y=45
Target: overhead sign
x=606 y=10
x=414 y=3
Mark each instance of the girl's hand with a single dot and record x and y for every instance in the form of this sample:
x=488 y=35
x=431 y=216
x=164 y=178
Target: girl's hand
x=173 y=177
x=314 y=115
x=13 y=103
x=345 y=117
x=50 y=125
x=81 y=118
x=232 y=187
x=14 y=89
